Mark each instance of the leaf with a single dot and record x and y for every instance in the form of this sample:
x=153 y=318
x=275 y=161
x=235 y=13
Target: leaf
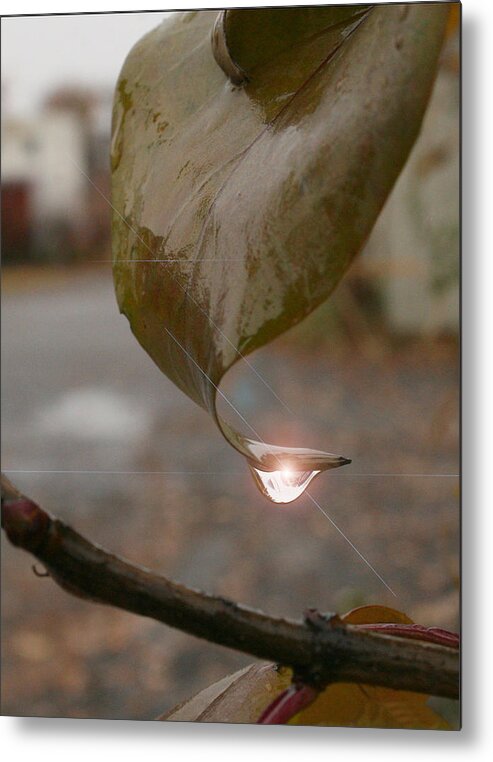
x=238 y=209
x=240 y=697
x=375 y=615
x=389 y=621
x=363 y=706
x=244 y=696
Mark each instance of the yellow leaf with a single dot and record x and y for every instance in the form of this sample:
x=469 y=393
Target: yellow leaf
x=364 y=706
x=375 y=615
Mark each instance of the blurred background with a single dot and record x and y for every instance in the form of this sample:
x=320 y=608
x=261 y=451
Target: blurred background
x=97 y=435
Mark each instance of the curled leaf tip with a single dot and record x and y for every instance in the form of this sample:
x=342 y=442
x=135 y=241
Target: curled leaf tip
x=222 y=53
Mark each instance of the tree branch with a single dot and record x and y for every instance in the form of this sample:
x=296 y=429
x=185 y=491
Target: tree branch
x=320 y=649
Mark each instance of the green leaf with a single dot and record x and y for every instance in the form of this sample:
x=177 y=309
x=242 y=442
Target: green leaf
x=240 y=208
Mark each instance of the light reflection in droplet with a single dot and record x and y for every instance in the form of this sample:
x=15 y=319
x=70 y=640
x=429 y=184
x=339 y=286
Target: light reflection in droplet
x=283 y=486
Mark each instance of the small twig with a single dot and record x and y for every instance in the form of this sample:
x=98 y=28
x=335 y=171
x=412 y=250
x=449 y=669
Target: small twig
x=38 y=573
x=320 y=650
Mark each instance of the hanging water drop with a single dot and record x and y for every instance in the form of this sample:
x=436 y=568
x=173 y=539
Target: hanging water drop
x=284 y=485
x=281 y=474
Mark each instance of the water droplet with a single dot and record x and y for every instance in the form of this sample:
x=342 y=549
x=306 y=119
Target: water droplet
x=284 y=485
x=282 y=474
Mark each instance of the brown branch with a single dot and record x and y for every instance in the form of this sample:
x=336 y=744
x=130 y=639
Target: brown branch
x=319 y=650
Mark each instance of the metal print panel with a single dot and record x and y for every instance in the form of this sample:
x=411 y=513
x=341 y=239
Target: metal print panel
x=230 y=245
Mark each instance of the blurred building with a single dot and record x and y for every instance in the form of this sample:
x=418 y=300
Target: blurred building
x=50 y=209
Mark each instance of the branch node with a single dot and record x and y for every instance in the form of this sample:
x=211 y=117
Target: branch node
x=25 y=523
x=319 y=621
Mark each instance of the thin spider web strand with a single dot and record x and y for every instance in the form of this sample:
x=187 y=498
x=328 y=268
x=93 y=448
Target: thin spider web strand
x=108 y=471
x=350 y=543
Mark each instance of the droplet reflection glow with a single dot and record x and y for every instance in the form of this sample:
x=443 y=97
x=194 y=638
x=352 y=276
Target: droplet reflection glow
x=282 y=486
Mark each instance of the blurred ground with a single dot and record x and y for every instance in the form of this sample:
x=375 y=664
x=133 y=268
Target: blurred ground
x=80 y=396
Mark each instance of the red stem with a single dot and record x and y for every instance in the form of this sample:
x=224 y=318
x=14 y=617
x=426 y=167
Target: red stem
x=287 y=704
x=416 y=632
